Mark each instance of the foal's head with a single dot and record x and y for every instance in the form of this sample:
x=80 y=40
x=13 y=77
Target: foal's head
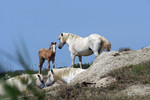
x=53 y=46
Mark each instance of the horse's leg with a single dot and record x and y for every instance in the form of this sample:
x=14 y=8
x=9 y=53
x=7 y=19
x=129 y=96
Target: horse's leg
x=48 y=65
x=53 y=61
x=101 y=48
x=73 y=58
x=96 y=48
x=96 y=53
x=80 y=61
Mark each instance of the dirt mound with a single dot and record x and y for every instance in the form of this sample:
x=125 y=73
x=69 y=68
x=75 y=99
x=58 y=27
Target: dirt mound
x=108 y=61
x=137 y=90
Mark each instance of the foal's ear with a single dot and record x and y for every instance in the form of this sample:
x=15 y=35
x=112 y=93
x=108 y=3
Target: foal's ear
x=52 y=71
x=61 y=34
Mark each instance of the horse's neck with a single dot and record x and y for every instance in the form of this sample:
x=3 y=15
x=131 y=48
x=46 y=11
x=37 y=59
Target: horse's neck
x=71 y=38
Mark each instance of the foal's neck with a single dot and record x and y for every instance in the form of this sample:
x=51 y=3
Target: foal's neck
x=51 y=50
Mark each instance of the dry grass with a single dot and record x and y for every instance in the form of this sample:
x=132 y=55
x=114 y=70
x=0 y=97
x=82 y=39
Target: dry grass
x=125 y=77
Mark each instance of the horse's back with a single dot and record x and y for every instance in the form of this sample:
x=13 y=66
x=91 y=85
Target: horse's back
x=100 y=39
x=84 y=46
x=94 y=37
x=68 y=70
x=66 y=74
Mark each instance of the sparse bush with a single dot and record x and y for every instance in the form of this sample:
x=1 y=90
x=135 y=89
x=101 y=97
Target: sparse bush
x=124 y=49
x=84 y=66
x=125 y=77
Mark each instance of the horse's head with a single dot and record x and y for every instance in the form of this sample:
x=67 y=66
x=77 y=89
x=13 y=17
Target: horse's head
x=39 y=81
x=50 y=81
x=62 y=39
x=53 y=46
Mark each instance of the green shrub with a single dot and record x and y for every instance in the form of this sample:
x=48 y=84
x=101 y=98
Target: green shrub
x=84 y=66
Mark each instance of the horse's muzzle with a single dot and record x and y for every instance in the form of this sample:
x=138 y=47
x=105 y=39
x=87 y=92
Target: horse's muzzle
x=42 y=86
x=59 y=47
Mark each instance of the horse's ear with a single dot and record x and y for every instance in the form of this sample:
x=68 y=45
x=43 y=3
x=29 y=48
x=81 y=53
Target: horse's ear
x=61 y=34
x=39 y=77
x=52 y=71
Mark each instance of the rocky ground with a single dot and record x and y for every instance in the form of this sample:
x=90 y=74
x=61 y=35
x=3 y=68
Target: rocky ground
x=96 y=74
x=113 y=60
x=105 y=79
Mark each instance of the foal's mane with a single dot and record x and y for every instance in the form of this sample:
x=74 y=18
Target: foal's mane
x=53 y=43
x=50 y=47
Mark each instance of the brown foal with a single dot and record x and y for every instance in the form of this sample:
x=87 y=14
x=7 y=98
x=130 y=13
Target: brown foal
x=47 y=54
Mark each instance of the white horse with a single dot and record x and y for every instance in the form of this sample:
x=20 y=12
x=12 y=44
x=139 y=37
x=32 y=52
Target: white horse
x=21 y=82
x=79 y=46
x=64 y=74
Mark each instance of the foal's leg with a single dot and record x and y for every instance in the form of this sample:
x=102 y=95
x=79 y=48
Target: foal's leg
x=48 y=65
x=72 y=57
x=41 y=61
x=80 y=61
x=53 y=61
x=39 y=66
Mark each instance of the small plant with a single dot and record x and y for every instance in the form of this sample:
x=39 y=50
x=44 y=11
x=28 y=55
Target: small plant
x=23 y=59
x=84 y=66
x=124 y=49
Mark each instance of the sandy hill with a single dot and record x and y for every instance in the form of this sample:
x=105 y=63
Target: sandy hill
x=109 y=61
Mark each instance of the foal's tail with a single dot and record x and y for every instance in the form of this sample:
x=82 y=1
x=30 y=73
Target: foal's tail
x=105 y=44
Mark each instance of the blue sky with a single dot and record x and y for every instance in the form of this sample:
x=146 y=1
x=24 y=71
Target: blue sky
x=125 y=23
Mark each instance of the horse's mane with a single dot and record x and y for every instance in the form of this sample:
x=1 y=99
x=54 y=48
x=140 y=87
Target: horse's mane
x=74 y=35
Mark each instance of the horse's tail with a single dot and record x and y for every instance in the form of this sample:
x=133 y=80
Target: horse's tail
x=105 y=44
x=109 y=47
